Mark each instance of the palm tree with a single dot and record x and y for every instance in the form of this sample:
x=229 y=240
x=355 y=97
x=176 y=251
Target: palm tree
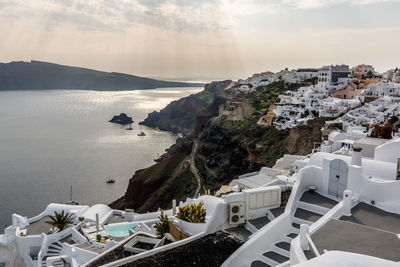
x=60 y=220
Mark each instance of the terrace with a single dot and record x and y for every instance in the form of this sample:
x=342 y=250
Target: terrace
x=38 y=227
x=368 y=231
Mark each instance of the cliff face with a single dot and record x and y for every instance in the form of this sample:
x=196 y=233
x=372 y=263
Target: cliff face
x=157 y=185
x=230 y=151
x=180 y=116
x=227 y=148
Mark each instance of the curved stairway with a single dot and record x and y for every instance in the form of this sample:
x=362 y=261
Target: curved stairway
x=310 y=207
x=54 y=249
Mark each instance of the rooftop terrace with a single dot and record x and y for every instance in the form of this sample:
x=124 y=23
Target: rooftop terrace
x=38 y=227
x=368 y=231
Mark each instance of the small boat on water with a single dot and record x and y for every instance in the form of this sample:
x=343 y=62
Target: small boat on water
x=110 y=180
x=129 y=129
x=141 y=134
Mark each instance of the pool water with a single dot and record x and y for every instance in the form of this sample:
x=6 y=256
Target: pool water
x=120 y=229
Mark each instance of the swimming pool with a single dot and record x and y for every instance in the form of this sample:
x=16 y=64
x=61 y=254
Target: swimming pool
x=120 y=229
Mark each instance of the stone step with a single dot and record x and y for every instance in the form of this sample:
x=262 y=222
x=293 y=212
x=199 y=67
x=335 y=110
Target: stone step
x=317 y=199
x=306 y=215
x=283 y=245
x=55 y=248
x=292 y=235
x=314 y=208
x=259 y=263
x=260 y=222
x=301 y=221
x=277 y=211
x=276 y=256
x=309 y=254
x=281 y=251
x=296 y=225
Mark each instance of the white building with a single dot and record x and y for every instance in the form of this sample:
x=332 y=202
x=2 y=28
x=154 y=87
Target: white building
x=383 y=89
x=339 y=210
x=306 y=73
x=333 y=74
x=343 y=211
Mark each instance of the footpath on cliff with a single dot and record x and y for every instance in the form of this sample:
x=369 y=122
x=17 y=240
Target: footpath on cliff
x=222 y=140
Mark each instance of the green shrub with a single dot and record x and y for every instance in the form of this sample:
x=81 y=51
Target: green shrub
x=393 y=120
x=194 y=213
x=162 y=227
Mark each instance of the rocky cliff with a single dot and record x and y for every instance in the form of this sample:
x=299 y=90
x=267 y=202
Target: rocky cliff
x=228 y=146
x=180 y=116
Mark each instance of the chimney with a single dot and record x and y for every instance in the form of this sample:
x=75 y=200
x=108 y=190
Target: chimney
x=356 y=158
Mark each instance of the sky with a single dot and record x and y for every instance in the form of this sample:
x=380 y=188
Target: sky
x=201 y=39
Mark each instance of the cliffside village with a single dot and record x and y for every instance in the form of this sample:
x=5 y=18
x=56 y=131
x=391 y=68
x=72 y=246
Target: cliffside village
x=357 y=96
x=337 y=206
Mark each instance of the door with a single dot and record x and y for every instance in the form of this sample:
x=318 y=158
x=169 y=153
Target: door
x=338 y=172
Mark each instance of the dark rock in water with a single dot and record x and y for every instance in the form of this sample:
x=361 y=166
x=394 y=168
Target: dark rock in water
x=122 y=119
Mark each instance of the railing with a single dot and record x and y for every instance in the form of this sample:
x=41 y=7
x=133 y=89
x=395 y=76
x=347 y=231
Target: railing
x=37 y=217
x=20 y=221
x=312 y=245
x=248 y=174
x=76 y=235
x=48 y=239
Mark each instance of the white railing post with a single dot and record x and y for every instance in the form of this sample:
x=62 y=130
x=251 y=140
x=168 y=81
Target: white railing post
x=347 y=202
x=304 y=230
x=173 y=207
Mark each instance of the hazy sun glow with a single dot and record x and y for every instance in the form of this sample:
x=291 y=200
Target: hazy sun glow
x=207 y=39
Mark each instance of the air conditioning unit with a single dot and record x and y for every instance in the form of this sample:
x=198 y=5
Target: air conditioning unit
x=237 y=213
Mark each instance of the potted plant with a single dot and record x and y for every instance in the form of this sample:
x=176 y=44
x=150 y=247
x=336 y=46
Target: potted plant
x=192 y=218
x=98 y=238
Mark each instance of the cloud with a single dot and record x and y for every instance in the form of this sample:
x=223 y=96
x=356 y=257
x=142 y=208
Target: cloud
x=119 y=15
x=309 y=4
x=115 y=15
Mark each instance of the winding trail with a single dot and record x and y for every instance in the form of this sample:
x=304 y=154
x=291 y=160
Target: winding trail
x=193 y=166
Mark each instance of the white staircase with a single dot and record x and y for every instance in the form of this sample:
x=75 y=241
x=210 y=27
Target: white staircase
x=54 y=249
x=309 y=209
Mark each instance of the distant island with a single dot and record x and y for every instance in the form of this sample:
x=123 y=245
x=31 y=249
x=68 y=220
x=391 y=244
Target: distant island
x=38 y=75
x=122 y=119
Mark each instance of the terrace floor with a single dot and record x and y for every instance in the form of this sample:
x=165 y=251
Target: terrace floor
x=368 y=215
x=38 y=227
x=369 y=231
x=115 y=219
x=356 y=238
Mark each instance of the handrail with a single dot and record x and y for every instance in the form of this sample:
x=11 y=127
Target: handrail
x=312 y=245
x=43 y=247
